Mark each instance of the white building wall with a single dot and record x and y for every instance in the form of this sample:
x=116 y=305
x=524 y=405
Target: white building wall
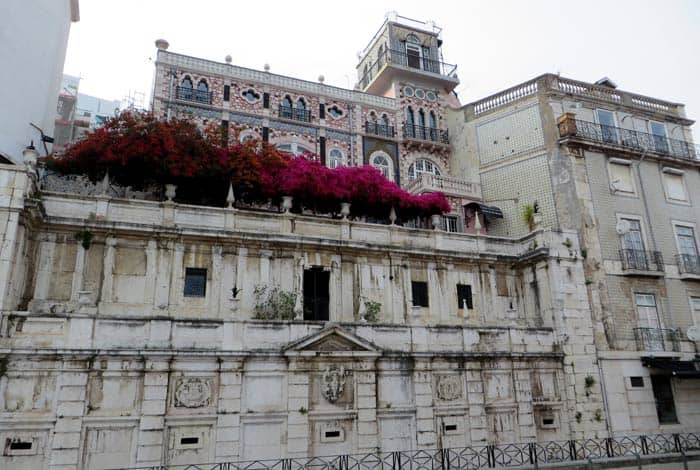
x=34 y=38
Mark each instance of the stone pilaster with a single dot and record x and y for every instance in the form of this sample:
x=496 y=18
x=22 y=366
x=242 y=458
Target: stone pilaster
x=152 y=425
x=70 y=409
x=367 y=430
x=108 y=270
x=475 y=399
x=228 y=421
x=425 y=415
x=298 y=405
x=523 y=397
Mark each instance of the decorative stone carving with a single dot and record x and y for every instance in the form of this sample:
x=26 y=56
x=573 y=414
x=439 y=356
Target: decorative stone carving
x=333 y=383
x=449 y=387
x=192 y=392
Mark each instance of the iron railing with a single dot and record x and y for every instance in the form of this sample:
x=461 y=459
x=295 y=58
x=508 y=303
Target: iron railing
x=688 y=264
x=192 y=94
x=413 y=131
x=641 y=260
x=379 y=129
x=297 y=114
x=657 y=339
x=636 y=141
x=397 y=57
x=475 y=457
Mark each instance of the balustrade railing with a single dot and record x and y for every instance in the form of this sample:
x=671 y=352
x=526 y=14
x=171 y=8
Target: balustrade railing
x=641 y=260
x=379 y=129
x=476 y=457
x=398 y=57
x=657 y=339
x=297 y=114
x=426 y=183
x=629 y=139
x=688 y=264
x=425 y=133
x=192 y=94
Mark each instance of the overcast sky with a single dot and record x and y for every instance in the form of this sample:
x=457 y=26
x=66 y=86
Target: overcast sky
x=648 y=47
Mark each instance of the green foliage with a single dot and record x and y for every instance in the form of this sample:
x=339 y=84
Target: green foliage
x=529 y=215
x=578 y=416
x=372 y=310
x=568 y=243
x=273 y=303
x=598 y=416
x=590 y=381
x=303 y=411
x=85 y=238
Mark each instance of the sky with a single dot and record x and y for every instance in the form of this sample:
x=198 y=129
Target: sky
x=647 y=47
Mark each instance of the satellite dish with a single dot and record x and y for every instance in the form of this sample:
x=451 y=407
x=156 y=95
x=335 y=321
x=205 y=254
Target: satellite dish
x=693 y=333
x=622 y=227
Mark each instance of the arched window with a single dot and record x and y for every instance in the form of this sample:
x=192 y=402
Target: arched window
x=300 y=113
x=373 y=117
x=203 y=91
x=433 y=131
x=413 y=51
x=286 y=108
x=301 y=104
x=432 y=121
x=247 y=136
x=421 y=123
x=385 y=120
x=294 y=148
x=422 y=166
x=382 y=162
x=335 y=158
x=287 y=102
x=185 y=91
x=410 y=123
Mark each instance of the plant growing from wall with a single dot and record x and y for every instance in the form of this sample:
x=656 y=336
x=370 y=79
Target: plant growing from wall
x=598 y=415
x=85 y=238
x=588 y=384
x=273 y=303
x=529 y=216
x=372 y=310
x=578 y=416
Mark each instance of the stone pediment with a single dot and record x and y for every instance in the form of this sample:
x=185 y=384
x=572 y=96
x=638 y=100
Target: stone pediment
x=332 y=339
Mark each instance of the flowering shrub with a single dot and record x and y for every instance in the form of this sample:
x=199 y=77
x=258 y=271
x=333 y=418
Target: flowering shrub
x=139 y=150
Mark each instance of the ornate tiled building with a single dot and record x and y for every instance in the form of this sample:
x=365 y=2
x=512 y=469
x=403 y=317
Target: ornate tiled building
x=141 y=332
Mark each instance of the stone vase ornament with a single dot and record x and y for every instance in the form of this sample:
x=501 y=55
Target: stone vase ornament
x=287 y=202
x=392 y=216
x=435 y=220
x=170 y=190
x=345 y=209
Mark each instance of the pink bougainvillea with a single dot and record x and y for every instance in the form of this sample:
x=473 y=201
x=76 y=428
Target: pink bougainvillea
x=139 y=150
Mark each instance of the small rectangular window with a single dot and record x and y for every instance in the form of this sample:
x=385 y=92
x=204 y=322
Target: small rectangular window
x=195 y=282
x=419 y=291
x=450 y=427
x=322 y=149
x=227 y=92
x=189 y=440
x=224 y=131
x=332 y=434
x=637 y=381
x=321 y=111
x=464 y=296
x=450 y=223
x=20 y=445
x=266 y=100
x=266 y=134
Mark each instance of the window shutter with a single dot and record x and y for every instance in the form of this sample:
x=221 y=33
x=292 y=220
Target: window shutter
x=322 y=148
x=227 y=92
x=266 y=134
x=266 y=100
x=322 y=111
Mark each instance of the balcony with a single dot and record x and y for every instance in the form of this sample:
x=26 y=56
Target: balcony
x=381 y=130
x=626 y=139
x=296 y=114
x=641 y=262
x=423 y=135
x=427 y=183
x=395 y=61
x=190 y=94
x=657 y=339
x=688 y=266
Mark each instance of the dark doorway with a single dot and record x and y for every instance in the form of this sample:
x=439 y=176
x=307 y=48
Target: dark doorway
x=663 y=395
x=316 y=294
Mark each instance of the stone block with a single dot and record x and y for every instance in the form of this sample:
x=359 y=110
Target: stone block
x=427 y=439
x=366 y=402
x=366 y=414
x=367 y=427
x=70 y=408
x=229 y=405
x=298 y=431
x=155 y=378
x=153 y=407
x=155 y=393
x=228 y=434
x=299 y=445
x=424 y=413
x=149 y=454
x=230 y=391
x=64 y=457
x=367 y=442
x=151 y=423
x=228 y=420
x=66 y=440
x=72 y=393
x=68 y=425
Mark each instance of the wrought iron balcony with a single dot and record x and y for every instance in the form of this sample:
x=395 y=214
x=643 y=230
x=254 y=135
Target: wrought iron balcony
x=427 y=183
x=657 y=339
x=641 y=260
x=401 y=58
x=627 y=139
x=382 y=130
x=191 y=94
x=297 y=114
x=688 y=264
x=425 y=133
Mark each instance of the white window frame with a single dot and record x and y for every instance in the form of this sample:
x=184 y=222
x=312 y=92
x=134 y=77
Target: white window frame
x=381 y=153
x=616 y=124
x=341 y=110
x=658 y=320
x=690 y=225
x=342 y=158
x=294 y=146
x=243 y=92
x=414 y=176
x=640 y=219
x=620 y=192
x=246 y=134
x=674 y=171
x=694 y=314
x=415 y=46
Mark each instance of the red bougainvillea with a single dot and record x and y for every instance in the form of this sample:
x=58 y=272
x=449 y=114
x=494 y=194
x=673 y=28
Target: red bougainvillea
x=140 y=150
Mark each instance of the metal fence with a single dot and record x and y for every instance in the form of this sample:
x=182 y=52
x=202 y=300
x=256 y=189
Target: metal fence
x=474 y=457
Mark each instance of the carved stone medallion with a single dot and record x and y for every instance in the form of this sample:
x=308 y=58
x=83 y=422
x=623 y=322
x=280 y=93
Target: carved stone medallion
x=333 y=383
x=192 y=392
x=449 y=387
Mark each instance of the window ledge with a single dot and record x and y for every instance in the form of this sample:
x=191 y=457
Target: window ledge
x=642 y=273
x=690 y=277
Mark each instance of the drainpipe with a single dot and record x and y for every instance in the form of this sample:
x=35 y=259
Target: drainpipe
x=604 y=392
